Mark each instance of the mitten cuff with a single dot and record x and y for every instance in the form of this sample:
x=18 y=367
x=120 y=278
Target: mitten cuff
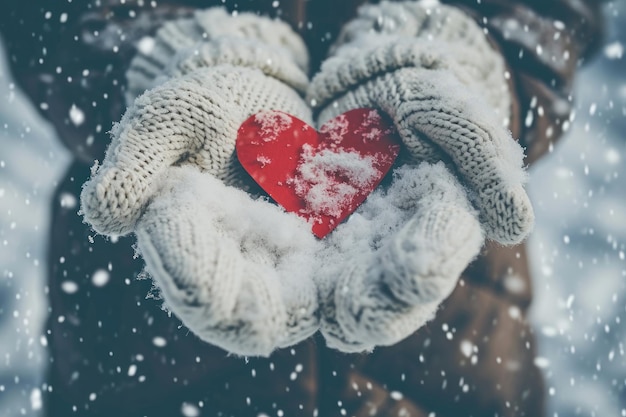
x=390 y=36
x=213 y=37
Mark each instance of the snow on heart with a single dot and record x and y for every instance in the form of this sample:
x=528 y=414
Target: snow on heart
x=322 y=176
x=272 y=124
x=319 y=179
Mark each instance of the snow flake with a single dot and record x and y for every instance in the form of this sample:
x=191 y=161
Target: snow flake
x=159 y=341
x=316 y=182
x=396 y=395
x=100 y=278
x=514 y=283
x=614 y=50
x=336 y=129
x=467 y=348
x=263 y=160
x=612 y=156
x=189 y=410
x=77 y=116
x=272 y=124
x=69 y=287
x=68 y=200
x=549 y=331
x=35 y=399
x=515 y=312
x=146 y=45
x=541 y=362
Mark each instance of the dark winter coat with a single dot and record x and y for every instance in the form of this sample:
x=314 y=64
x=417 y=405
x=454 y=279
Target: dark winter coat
x=116 y=353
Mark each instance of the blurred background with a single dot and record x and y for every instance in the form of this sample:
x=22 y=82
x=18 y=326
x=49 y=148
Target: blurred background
x=577 y=251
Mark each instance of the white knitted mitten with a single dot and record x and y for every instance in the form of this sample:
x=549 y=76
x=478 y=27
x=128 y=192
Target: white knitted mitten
x=386 y=269
x=223 y=261
x=432 y=70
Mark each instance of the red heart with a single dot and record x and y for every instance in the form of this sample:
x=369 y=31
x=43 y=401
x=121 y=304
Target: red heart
x=322 y=176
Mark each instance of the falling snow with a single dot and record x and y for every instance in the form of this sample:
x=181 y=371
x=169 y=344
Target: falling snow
x=159 y=341
x=614 y=50
x=77 y=116
x=100 y=278
x=190 y=410
x=577 y=250
x=69 y=287
x=146 y=45
x=578 y=271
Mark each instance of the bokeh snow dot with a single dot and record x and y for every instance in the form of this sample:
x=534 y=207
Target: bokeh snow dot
x=612 y=156
x=146 y=45
x=100 y=278
x=69 y=287
x=190 y=410
x=77 y=116
x=466 y=348
x=541 y=362
x=159 y=341
x=68 y=201
x=35 y=399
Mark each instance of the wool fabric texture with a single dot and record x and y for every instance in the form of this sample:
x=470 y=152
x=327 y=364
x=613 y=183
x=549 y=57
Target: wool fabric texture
x=431 y=69
x=433 y=72
x=192 y=117
x=212 y=37
x=244 y=275
x=388 y=268
x=171 y=162
x=244 y=288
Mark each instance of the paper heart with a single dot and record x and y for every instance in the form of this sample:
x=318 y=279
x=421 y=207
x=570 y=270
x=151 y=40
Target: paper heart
x=322 y=176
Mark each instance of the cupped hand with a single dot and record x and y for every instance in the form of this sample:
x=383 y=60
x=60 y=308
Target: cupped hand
x=234 y=268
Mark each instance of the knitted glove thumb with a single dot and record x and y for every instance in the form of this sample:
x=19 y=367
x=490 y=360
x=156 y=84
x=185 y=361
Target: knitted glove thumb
x=208 y=89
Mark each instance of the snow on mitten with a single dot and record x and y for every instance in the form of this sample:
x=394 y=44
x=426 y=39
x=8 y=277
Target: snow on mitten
x=432 y=70
x=388 y=267
x=223 y=261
